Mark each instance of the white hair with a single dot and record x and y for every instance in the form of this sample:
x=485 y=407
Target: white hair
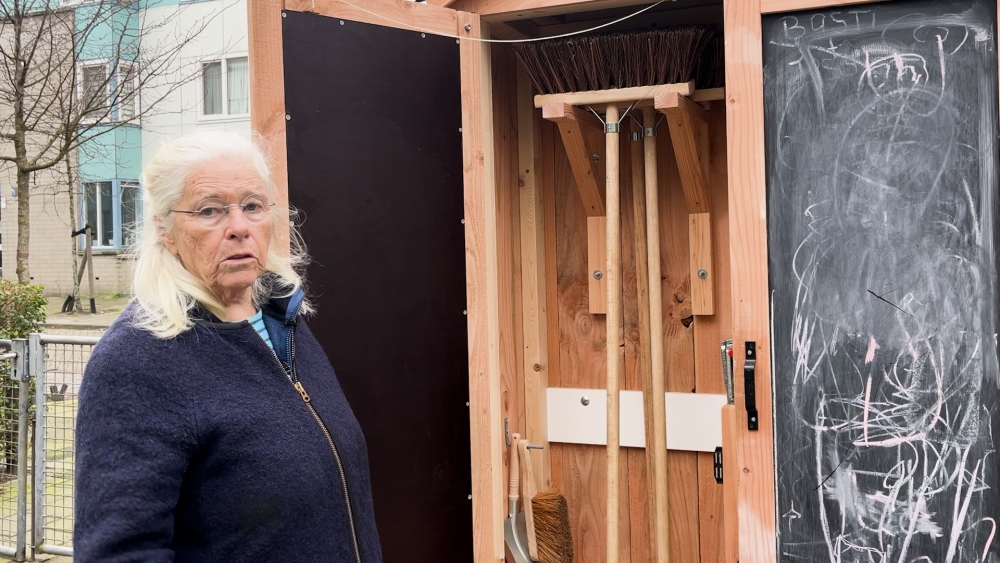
x=163 y=289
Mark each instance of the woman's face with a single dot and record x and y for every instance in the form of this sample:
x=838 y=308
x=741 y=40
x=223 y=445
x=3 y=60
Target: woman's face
x=228 y=256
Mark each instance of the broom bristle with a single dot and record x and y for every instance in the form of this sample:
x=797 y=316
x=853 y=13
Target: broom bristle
x=555 y=542
x=624 y=60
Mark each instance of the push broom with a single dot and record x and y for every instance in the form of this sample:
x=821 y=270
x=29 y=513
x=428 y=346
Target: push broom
x=604 y=63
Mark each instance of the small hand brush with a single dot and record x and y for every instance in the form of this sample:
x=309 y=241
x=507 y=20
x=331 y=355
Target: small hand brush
x=548 y=518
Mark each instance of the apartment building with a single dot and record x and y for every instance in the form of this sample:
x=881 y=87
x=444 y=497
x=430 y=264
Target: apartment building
x=205 y=87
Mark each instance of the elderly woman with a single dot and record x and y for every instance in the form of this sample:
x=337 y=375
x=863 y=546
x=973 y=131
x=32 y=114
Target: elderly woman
x=211 y=425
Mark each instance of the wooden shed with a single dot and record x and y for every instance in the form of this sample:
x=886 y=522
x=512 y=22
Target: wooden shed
x=422 y=159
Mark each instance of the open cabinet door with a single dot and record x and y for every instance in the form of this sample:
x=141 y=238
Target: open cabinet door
x=364 y=119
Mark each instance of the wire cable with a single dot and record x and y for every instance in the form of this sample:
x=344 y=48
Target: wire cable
x=482 y=40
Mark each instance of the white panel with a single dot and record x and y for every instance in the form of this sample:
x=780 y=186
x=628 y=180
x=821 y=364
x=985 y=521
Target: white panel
x=694 y=420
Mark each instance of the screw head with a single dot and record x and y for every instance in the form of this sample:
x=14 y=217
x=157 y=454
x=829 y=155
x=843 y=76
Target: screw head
x=703 y=273
x=468 y=27
x=341 y=22
x=585 y=400
x=288 y=117
x=596 y=157
x=598 y=274
x=284 y=15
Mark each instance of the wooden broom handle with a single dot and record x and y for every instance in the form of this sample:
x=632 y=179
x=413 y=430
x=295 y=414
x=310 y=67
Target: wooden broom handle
x=614 y=322
x=513 y=493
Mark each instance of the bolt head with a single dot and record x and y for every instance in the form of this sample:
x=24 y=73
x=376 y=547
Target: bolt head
x=598 y=274
x=585 y=400
x=702 y=273
x=468 y=27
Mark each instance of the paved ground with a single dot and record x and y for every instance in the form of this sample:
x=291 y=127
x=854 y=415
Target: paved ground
x=108 y=309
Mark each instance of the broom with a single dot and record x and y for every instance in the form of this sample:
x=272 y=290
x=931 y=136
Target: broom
x=546 y=518
x=624 y=60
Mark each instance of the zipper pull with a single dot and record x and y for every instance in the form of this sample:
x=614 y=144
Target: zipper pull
x=302 y=391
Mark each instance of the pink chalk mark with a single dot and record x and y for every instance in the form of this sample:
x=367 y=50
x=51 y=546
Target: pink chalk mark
x=872 y=346
x=989 y=541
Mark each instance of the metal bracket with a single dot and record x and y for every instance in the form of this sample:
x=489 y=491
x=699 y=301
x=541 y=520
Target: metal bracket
x=717 y=464
x=611 y=127
x=750 y=385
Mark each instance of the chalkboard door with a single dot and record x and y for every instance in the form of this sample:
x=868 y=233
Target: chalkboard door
x=375 y=166
x=881 y=150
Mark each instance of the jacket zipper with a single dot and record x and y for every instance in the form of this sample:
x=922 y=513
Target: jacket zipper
x=293 y=376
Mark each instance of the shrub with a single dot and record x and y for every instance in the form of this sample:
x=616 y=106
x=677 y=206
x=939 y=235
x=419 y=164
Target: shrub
x=22 y=309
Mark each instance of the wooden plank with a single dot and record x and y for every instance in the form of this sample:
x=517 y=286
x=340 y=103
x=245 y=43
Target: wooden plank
x=748 y=256
x=572 y=123
x=700 y=244
x=683 y=136
x=533 y=291
x=402 y=14
x=580 y=352
x=659 y=492
x=708 y=95
x=267 y=104
x=730 y=485
x=774 y=6
x=504 y=10
x=678 y=351
x=613 y=275
x=597 y=260
x=505 y=142
x=672 y=103
x=614 y=96
x=486 y=427
x=709 y=332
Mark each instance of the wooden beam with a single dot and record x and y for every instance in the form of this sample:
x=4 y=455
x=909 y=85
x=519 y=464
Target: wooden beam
x=401 y=14
x=533 y=305
x=684 y=119
x=774 y=6
x=597 y=261
x=572 y=122
x=441 y=3
x=672 y=103
x=748 y=260
x=619 y=96
x=503 y=10
x=267 y=104
x=614 y=324
x=708 y=95
x=482 y=290
x=700 y=243
x=730 y=485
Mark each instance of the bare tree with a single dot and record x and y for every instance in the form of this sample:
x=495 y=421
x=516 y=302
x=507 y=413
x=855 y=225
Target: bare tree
x=51 y=103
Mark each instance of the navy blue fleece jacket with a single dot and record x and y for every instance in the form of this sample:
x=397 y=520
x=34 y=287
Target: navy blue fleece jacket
x=199 y=448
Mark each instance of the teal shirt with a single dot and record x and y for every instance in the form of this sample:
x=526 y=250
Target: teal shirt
x=258 y=324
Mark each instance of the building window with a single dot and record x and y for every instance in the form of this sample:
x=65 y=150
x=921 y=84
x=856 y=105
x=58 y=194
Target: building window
x=128 y=99
x=225 y=87
x=94 y=88
x=113 y=210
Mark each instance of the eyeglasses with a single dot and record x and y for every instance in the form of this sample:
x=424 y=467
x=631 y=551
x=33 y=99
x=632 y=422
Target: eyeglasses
x=211 y=212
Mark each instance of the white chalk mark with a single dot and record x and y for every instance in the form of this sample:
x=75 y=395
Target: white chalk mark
x=989 y=540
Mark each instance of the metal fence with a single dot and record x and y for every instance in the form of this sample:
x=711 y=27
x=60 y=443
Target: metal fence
x=39 y=378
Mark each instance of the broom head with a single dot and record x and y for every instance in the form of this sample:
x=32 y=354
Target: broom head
x=555 y=542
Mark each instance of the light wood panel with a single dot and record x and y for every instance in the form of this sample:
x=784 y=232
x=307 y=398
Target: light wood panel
x=533 y=291
x=267 y=104
x=574 y=124
x=700 y=253
x=402 y=14
x=709 y=332
x=483 y=295
x=615 y=96
x=748 y=256
x=505 y=143
x=597 y=260
x=773 y=6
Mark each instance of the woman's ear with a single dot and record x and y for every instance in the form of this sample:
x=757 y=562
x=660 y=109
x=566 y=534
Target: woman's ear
x=164 y=234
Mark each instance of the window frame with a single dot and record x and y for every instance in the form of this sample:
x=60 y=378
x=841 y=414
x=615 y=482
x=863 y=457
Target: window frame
x=225 y=115
x=121 y=69
x=80 y=65
x=118 y=227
